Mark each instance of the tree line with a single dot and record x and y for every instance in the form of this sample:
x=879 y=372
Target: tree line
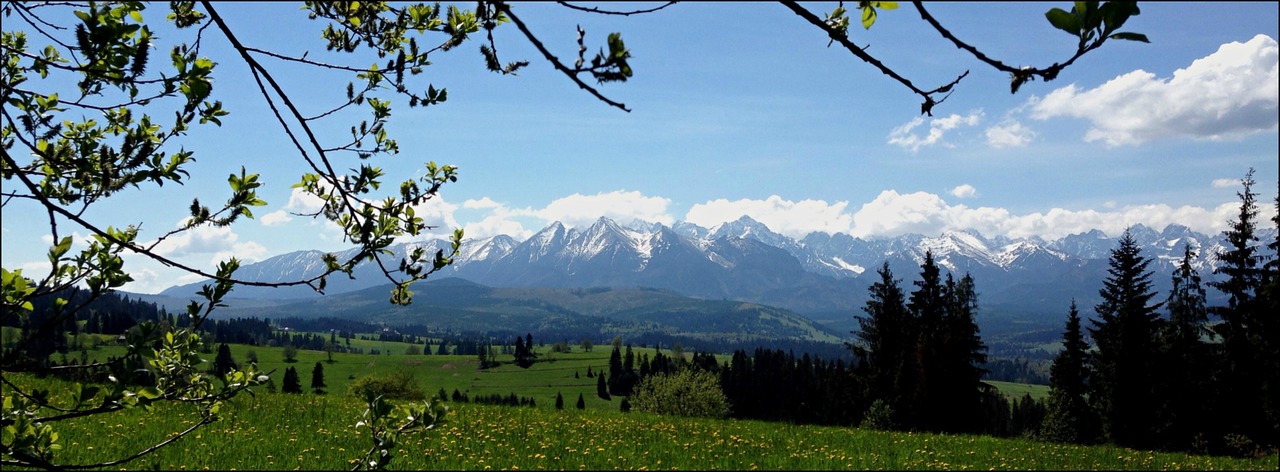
x=1176 y=373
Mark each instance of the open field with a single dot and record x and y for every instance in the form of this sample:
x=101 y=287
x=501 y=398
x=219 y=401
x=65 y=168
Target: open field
x=315 y=432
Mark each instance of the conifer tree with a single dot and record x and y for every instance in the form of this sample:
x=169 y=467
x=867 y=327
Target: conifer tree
x=559 y=401
x=887 y=345
x=602 y=390
x=1247 y=355
x=1185 y=359
x=292 y=384
x=927 y=305
x=1126 y=331
x=317 y=378
x=963 y=355
x=615 y=369
x=582 y=402
x=1070 y=418
x=223 y=362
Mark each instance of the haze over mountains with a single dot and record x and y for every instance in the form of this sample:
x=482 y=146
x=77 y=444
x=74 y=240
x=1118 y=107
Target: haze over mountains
x=822 y=276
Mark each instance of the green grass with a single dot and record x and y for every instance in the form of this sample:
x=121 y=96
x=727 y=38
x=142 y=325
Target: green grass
x=1017 y=390
x=313 y=432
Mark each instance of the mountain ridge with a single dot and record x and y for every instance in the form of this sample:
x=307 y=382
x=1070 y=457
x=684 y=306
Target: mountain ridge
x=818 y=275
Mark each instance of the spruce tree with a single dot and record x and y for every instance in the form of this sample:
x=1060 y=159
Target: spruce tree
x=615 y=370
x=292 y=384
x=887 y=345
x=582 y=402
x=1126 y=331
x=317 y=378
x=1270 y=324
x=1070 y=418
x=602 y=390
x=223 y=362
x=1185 y=359
x=962 y=356
x=1245 y=343
x=559 y=401
x=927 y=305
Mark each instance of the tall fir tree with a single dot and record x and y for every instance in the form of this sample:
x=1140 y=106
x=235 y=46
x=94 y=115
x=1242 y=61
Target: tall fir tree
x=1270 y=324
x=1185 y=360
x=1070 y=419
x=317 y=378
x=1246 y=356
x=602 y=390
x=962 y=356
x=292 y=384
x=223 y=362
x=615 y=370
x=887 y=346
x=1126 y=331
x=928 y=306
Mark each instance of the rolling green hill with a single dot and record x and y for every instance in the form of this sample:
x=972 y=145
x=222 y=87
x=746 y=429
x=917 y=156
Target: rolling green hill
x=458 y=305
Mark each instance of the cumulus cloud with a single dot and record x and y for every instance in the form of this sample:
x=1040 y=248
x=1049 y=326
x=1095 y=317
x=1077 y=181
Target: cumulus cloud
x=219 y=242
x=905 y=137
x=789 y=218
x=894 y=214
x=1009 y=133
x=276 y=218
x=964 y=191
x=493 y=218
x=621 y=206
x=1229 y=94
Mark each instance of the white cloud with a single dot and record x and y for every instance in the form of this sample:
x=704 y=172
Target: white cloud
x=964 y=191
x=276 y=218
x=938 y=127
x=894 y=214
x=1225 y=183
x=303 y=203
x=483 y=203
x=793 y=219
x=220 y=242
x=621 y=206
x=1009 y=133
x=1231 y=93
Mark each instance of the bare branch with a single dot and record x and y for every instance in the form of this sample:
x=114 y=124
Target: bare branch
x=556 y=61
x=861 y=53
x=608 y=12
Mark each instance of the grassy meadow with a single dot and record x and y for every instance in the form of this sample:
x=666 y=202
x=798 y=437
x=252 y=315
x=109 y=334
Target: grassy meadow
x=316 y=432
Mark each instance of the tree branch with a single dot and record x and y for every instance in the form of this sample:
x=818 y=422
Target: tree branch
x=554 y=60
x=861 y=53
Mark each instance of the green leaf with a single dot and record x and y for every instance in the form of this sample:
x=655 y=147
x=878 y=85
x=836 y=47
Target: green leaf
x=1064 y=21
x=868 y=17
x=1130 y=37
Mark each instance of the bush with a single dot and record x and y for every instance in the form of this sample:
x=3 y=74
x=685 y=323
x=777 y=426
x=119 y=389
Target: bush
x=879 y=417
x=398 y=385
x=688 y=392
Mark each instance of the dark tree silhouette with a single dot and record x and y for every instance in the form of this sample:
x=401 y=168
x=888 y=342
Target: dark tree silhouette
x=1070 y=418
x=292 y=384
x=1122 y=387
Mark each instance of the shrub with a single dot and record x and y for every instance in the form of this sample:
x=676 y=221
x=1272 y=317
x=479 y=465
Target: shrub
x=398 y=385
x=879 y=416
x=688 y=392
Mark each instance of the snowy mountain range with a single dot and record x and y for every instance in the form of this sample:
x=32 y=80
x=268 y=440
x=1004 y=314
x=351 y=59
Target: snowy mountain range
x=821 y=275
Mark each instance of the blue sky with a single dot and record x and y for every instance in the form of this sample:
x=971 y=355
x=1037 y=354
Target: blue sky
x=740 y=108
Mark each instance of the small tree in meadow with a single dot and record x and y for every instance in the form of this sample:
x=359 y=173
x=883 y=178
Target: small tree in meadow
x=290 y=353
x=317 y=379
x=559 y=401
x=582 y=402
x=291 y=382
